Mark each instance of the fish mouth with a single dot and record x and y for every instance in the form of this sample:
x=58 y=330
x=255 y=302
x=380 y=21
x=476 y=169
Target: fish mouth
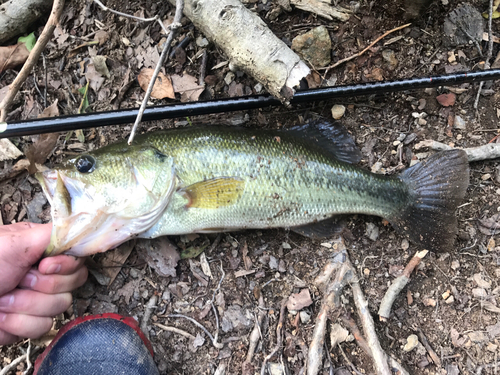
x=83 y=222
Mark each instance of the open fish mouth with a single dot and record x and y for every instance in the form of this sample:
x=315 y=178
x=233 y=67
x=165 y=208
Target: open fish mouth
x=83 y=220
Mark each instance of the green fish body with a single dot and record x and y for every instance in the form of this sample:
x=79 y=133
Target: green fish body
x=224 y=179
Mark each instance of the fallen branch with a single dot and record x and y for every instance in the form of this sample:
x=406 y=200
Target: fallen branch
x=42 y=41
x=150 y=306
x=247 y=367
x=279 y=336
x=485 y=152
x=428 y=347
x=16 y=16
x=366 y=49
x=13 y=364
x=397 y=285
x=214 y=341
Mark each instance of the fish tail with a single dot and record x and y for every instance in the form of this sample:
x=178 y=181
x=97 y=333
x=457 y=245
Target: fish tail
x=436 y=187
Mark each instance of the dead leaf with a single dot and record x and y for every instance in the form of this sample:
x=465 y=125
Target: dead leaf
x=113 y=260
x=490 y=226
x=100 y=65
x=187 y=86
x=8 y=151
x=160 y=254
x=102 y=36
x=198 y=341
x=127 y=291
x=51 y=111
x=243 y=273
x=13 y=56
x=447 y=100
x=39 y=151
x=162 y=88
x=298 y=301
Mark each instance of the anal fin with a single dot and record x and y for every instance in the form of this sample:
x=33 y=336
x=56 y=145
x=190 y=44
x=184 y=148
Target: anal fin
x=214 y=193
x=321 y=229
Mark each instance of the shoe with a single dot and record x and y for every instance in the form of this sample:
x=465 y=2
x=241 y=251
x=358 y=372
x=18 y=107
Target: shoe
x=105 y=344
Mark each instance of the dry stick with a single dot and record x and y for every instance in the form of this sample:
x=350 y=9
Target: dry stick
x=42 y=41
x=378 y=354
x=214 y=341
x=490 y=52
x=330 y=303
x=175 y=330
x=150 y=306
x=349 y=322
x=256 y=334
x=398 y=284
x=428 y=347
x=485 y=152
x=279 y=336
x=366 y=49
x=179 y=6
x=13 y=364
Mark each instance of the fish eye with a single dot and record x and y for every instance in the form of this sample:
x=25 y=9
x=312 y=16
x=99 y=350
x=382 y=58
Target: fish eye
x=85 y=164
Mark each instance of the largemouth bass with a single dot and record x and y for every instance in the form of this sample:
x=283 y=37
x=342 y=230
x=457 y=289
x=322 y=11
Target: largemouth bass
x=212 y=179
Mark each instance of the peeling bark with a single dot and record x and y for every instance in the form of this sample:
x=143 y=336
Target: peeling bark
x=249 y=44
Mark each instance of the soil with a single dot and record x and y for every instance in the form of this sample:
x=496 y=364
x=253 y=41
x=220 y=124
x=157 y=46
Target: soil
x=451 y=298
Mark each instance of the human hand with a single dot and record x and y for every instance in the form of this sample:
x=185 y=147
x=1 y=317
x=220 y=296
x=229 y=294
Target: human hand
x=30 y=297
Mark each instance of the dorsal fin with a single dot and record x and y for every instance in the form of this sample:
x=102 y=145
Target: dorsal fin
x=332 y=137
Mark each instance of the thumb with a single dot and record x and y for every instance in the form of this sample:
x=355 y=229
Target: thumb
x=21 y=246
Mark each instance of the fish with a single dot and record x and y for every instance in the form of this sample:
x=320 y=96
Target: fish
x=219 y=179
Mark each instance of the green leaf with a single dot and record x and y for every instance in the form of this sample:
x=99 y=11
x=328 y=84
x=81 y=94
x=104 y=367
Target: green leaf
x=193 y=251
x=85 y=101
x=28 y=40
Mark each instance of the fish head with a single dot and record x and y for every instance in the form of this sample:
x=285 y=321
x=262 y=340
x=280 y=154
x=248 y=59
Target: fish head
x=101 y=199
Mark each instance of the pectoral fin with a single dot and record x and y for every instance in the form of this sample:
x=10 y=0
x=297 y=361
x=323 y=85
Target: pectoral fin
x=214 y=193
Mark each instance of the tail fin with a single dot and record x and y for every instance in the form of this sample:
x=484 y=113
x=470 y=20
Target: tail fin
x=436 y=187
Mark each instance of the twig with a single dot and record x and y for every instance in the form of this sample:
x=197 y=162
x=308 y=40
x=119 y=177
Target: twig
x=150 y=306
x=429 y=349
x=397 y=285
x=366 y=49
x=166 y=50
x=214 y=342
x=330 y=302
x=255 y=335
x=348 y=360
x=13 y=364
x=42 y=41
x=485 y=152
x=175 y=330
x=28 y=362
x=279 y=336
x=490 y=52
x=203 y=68
x=378 y=354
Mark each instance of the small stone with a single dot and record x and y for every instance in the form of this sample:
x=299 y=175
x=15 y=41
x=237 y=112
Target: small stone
x=478 y=336
x=201 y=42
x=450 y=300
x=411 y=343
x=305 y=317
x=422 y=121
x=491 y=245
x=372 y=231
x=447 y=100
x=405 y=244
x=273 y=263
x=229 y=78
x=446 y=294
x=134 y=273
x=390 y=57
x=451 y=57
x=491 y=347
x=286 y=245
x=338 y=111
x=486 y=176
x=459 y=123
x=377 y=167
x=314 y=46
x=421 y=104
x=429 y=302
x=327 y=245
x=366 y=272
x=258 y=88
x=396 y=143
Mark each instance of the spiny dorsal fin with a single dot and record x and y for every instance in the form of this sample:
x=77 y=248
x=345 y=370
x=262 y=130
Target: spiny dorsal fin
x=332 y=137
x=214 y=193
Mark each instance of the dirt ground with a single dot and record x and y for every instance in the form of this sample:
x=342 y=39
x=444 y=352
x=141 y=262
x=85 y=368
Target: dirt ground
x=451 y=299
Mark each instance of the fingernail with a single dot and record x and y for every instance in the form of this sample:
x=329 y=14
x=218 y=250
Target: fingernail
x=29 y=280
x=6 y=300
x=53 y=268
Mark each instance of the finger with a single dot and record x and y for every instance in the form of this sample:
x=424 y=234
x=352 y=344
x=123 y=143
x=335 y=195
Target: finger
x=29 y=302
x=53 y=284
x=19 y=250
x=7 y=338
x=60 y=264
x=17 y=226
x=25 y=325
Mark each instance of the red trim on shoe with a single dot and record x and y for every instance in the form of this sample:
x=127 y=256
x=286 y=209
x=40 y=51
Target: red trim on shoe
x=131 y=322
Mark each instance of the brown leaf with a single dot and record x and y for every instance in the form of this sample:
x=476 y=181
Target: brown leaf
x=51 y=111
x=12 y=56
x=447 y=100
x=113 y=260
x=160 y=254
x=187 y=86
x=162 y=88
